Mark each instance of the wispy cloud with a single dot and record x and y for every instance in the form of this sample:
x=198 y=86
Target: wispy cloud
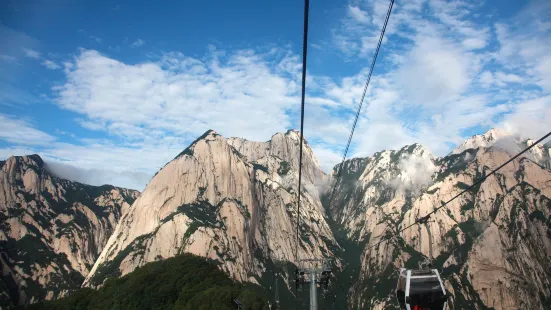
x=524 y=44
x=22 y=132
x=7 y=58
x=316 y=46
x=137 y=43
x=499 y=78
x=187 y=96
x=129 y=179
x=98 y=163
x=31 y=53
x=18 y=42
x=529 y=118
x=358 y=15
x=96 y=39
x=50 y=65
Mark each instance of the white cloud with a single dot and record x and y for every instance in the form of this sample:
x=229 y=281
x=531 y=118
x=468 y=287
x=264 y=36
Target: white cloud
x=486 y=78
x=524 y=44
x=390 y=121
x=327 y=157
x=50 y=65
x=456 y=17
x=100 y=162
x=7 y=58
x=31 y=53
x=435 y=71
x=443 y=80
x=473 y=43
x=316 y=46
x=499 y=78
x=415 y=173
x=178 y=95
x=381 y=135
x=21 y=132
x=358 y=30
x=91 y=125
x=508 y=77
x=529 y=118
x=128 y=179
x=358 y=14
x=137 y=43
x=151 y=111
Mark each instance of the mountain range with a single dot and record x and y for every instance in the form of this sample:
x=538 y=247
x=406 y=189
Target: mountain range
x=235 y=201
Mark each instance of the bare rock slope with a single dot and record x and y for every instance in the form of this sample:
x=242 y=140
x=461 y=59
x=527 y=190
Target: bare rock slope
x=51 y=230
x=493 y=244
x=235 y=201
x=230 y=200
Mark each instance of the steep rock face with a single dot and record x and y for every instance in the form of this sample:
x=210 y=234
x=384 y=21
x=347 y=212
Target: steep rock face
x=286 y=147
x=492 y=244
x=51 y=230
x=486 y=140
x=390 y=178
x=214 y=201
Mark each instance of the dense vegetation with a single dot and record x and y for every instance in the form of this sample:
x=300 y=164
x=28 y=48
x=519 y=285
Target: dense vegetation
x=181 y=282
x=284 y=168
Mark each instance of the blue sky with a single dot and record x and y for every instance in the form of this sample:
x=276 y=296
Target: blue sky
x=110 y=91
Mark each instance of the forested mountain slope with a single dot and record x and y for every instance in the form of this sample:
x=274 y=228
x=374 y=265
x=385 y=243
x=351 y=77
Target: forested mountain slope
x=181 y=282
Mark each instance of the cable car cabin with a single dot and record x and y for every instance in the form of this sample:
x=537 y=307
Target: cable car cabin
x=421 y=290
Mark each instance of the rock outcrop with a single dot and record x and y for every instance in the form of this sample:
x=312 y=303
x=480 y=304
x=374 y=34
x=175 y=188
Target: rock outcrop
x=229 y=200
x=492 y=244
x=486 y=140
x=51 y=230
x=285 y=146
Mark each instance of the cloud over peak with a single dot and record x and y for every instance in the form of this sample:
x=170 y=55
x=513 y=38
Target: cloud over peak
x=240 y=95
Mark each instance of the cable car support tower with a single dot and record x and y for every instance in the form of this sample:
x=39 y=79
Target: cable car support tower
x=313 y=271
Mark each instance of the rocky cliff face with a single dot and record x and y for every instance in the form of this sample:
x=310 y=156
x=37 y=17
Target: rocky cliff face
x=51 y=230
x=285 y=146
x=482 y=141
x=493 y=244
x=230 y=200
x=235 y=201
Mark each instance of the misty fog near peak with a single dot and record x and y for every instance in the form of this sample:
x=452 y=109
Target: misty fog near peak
x=510 y=144
x=126 y=179
x=415 y=173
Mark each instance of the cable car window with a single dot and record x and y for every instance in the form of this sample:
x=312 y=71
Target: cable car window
x=422 y=285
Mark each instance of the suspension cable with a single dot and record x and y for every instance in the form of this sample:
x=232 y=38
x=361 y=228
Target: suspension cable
x=304 y=54
x=425 y=218
x=391 y=4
